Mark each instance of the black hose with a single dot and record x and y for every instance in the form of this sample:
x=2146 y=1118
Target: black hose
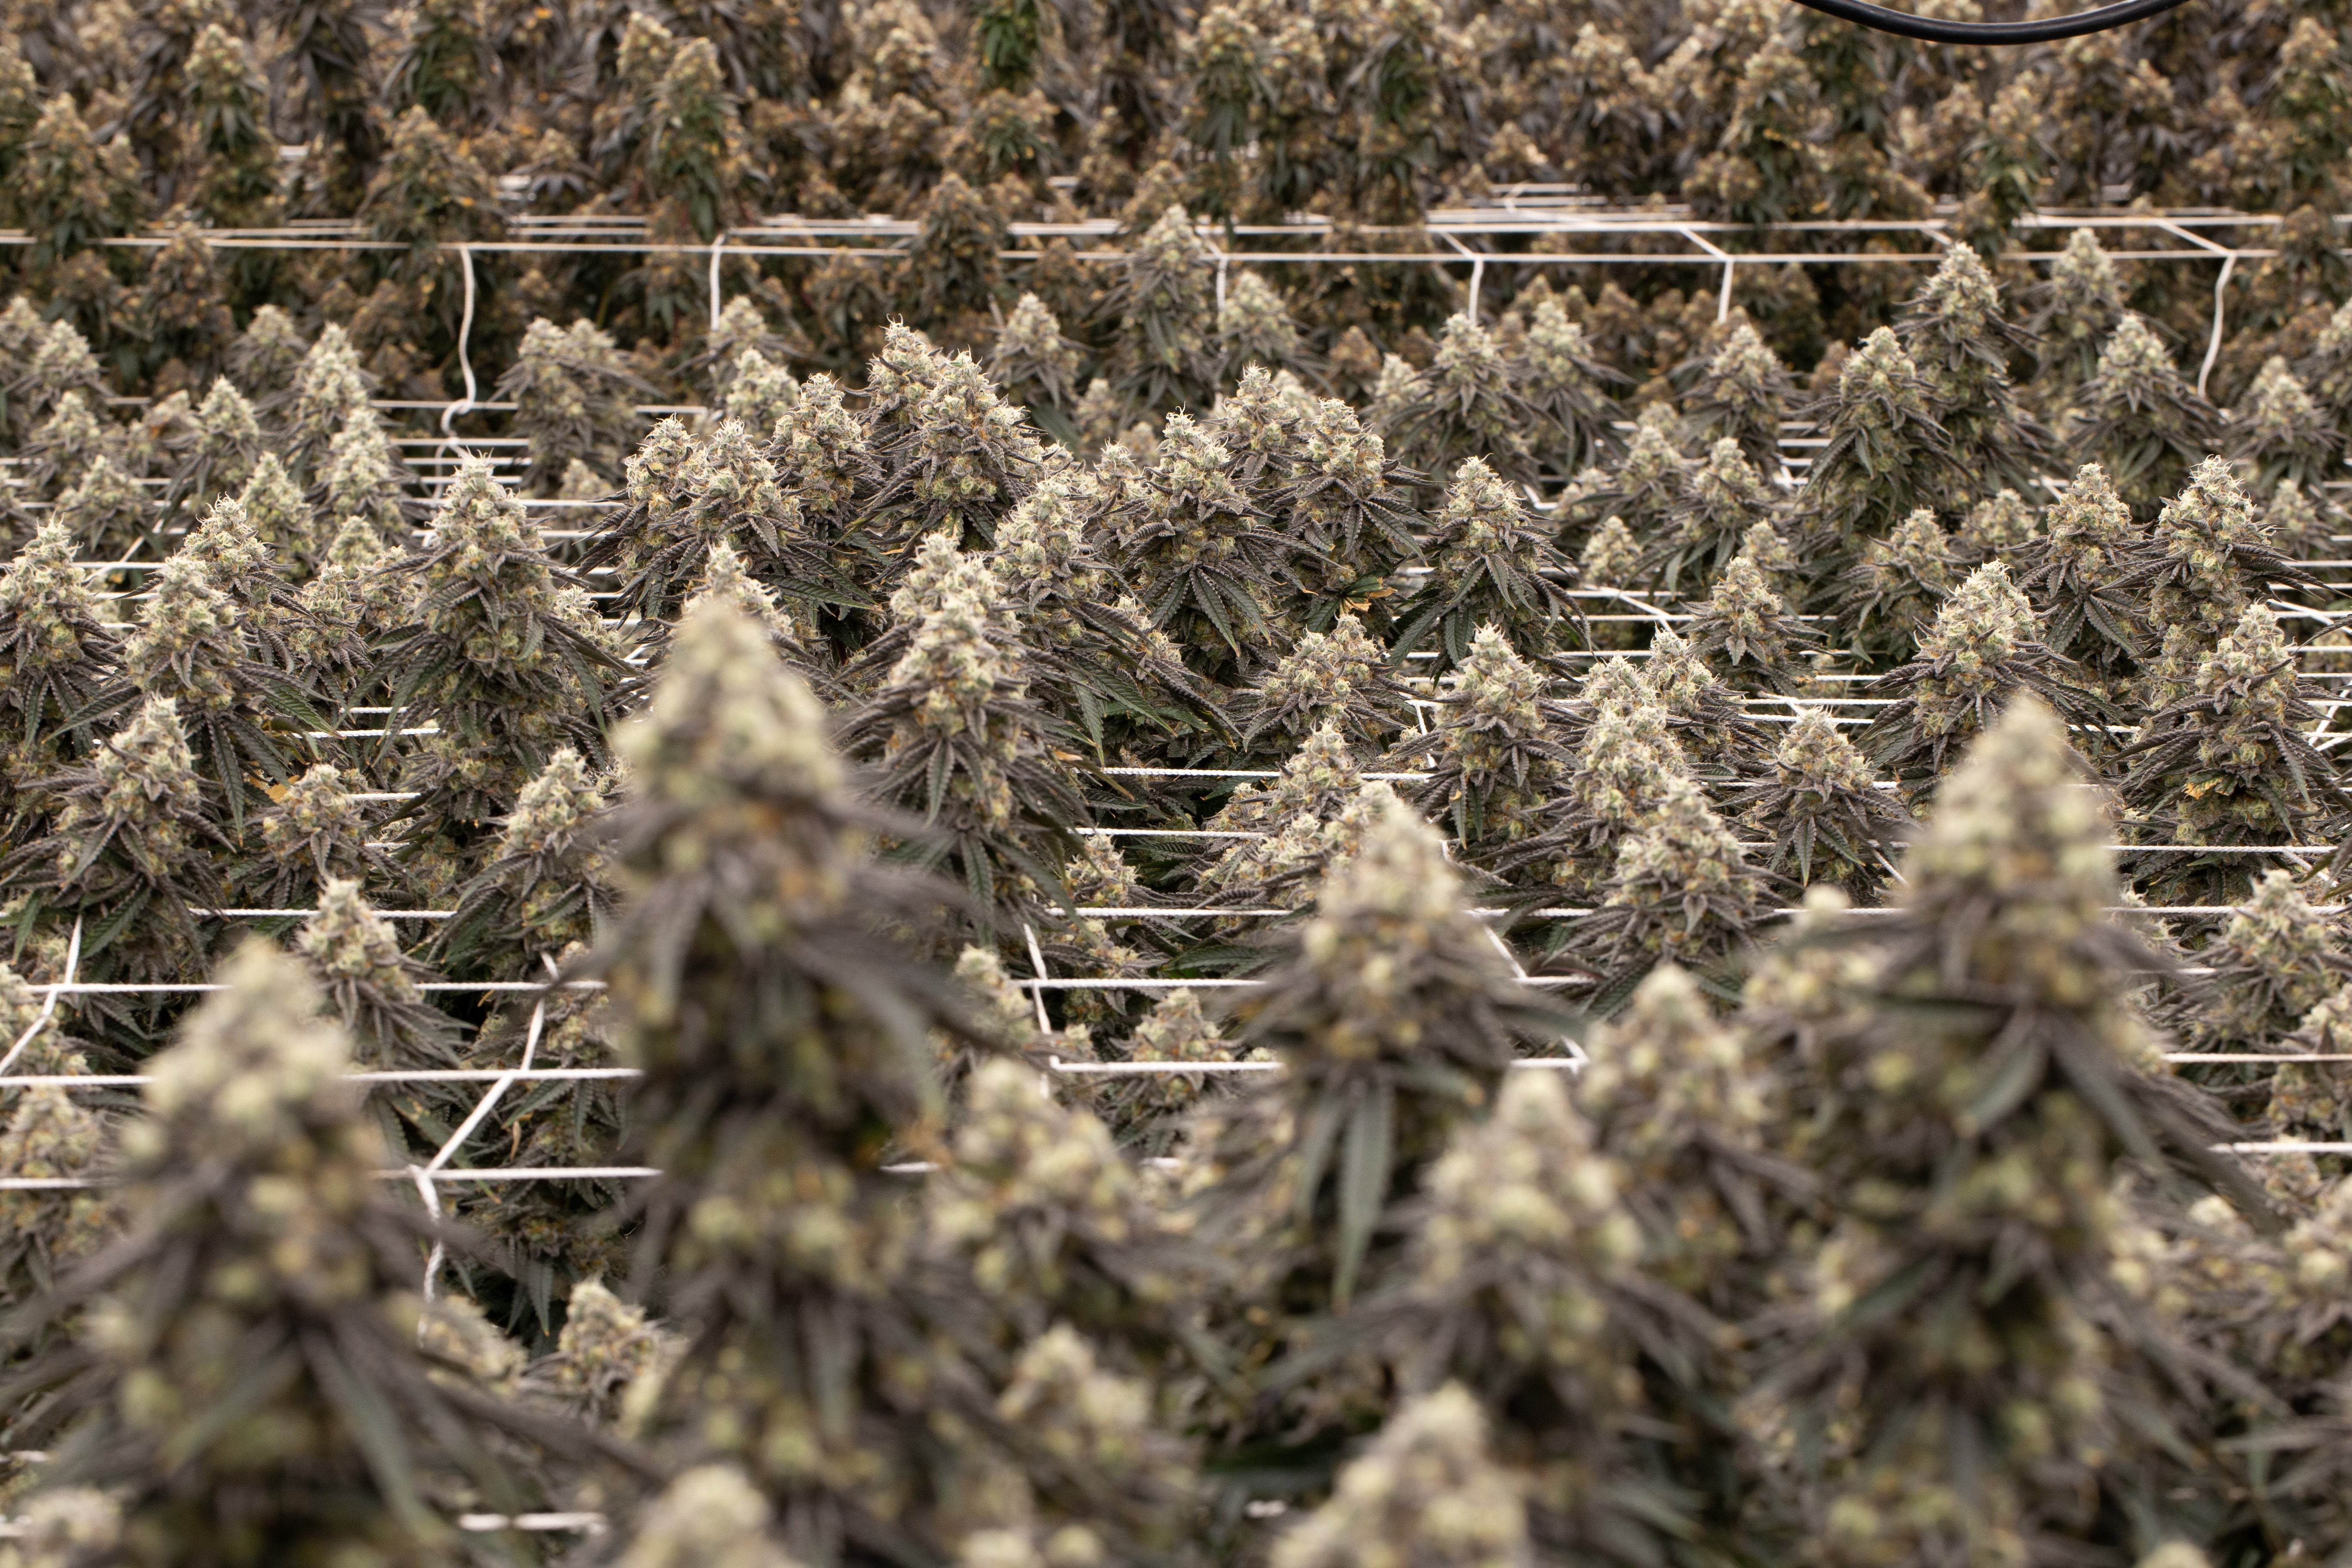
x=2048 y=30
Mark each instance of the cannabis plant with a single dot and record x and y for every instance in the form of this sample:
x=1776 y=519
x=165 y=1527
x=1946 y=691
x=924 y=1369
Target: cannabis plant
x=2074 y=572
x=2074 y=312
x=953 y=741
x=197 y=647
x=2308 y=1100
x=362 y=479
x=1396 y=1017
x=2229 y=764
x=1350 y=506
x=966 y=458
x=1962 y=343
x=181 y=313
x=62 y=449
x=1522 y=1260
x=228 y=444
x=1495 y=756
x=1205 y=563
x=1709 y=716
x=371 y=986
x=2326 y=370
x=508 y=667
x=1966 y=1139
x=1320 y=778
x=1891 y=597
x=1823 y=812
x=2211 y=556
x=1339 y=678
x=311 y=833
x=2140 y=420
x=1096 y=662
x=56 y=361
x=2304 y=522
x=1259 y=426
x=1149 y=1113
x=682 y=502
x=281 y=519
x=268 y=356
x=758 y=392
x=329 y=386
x=1034 y=363
x=1682 y=891
x=1997 y=528
x=952 y=270
x=546 y=889
x=1255 y=327
x=1468 y=405
x=67 y=191
x=1719 y=500
x=1051 y=1223
x=1741 y=394
x=1688 y=1108
x=1277 y=869
x=1886 y=456
x=1561 y=377
x=1983 y=650
x=130 y=854
x=56 y=656
x=245 y=570
x=1612 y=559
x=2272 y=961
x=822 y=457
x=352 y=601
x=607 y=1348
x=1428 y=1491
x=553 y=1237
x=257 y=1220
x=1746 y=631
x=2280 y=435
x=574 y=401
x=429 y=195
x=228 y=101
x=747 y=942
x=1625 y=758
x=1491 y=564
x=1163 y=315
x=49 y=1136
x=110 y=511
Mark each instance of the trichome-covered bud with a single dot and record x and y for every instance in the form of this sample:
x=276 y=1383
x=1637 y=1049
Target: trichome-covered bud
x=1745 y=630
x=1427 y=1492
x=1031 y=359
x=1984 y=647
x=1491 y=564
x=1721 y=501
x=1340 y=677
x=1255 y=327
x=2138 y=418
x=1741 y=396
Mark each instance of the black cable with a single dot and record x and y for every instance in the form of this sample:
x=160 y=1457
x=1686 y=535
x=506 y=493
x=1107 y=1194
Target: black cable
x=2048 y=30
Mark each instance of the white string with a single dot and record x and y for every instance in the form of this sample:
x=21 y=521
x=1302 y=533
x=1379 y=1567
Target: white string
x=465 y=334
x=424 y=1190
x=718 y=250
x=48 y=1004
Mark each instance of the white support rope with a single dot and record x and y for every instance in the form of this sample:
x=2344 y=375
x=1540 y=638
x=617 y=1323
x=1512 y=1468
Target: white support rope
x=465 y=334
x=718 y=251
x=49 y=1002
